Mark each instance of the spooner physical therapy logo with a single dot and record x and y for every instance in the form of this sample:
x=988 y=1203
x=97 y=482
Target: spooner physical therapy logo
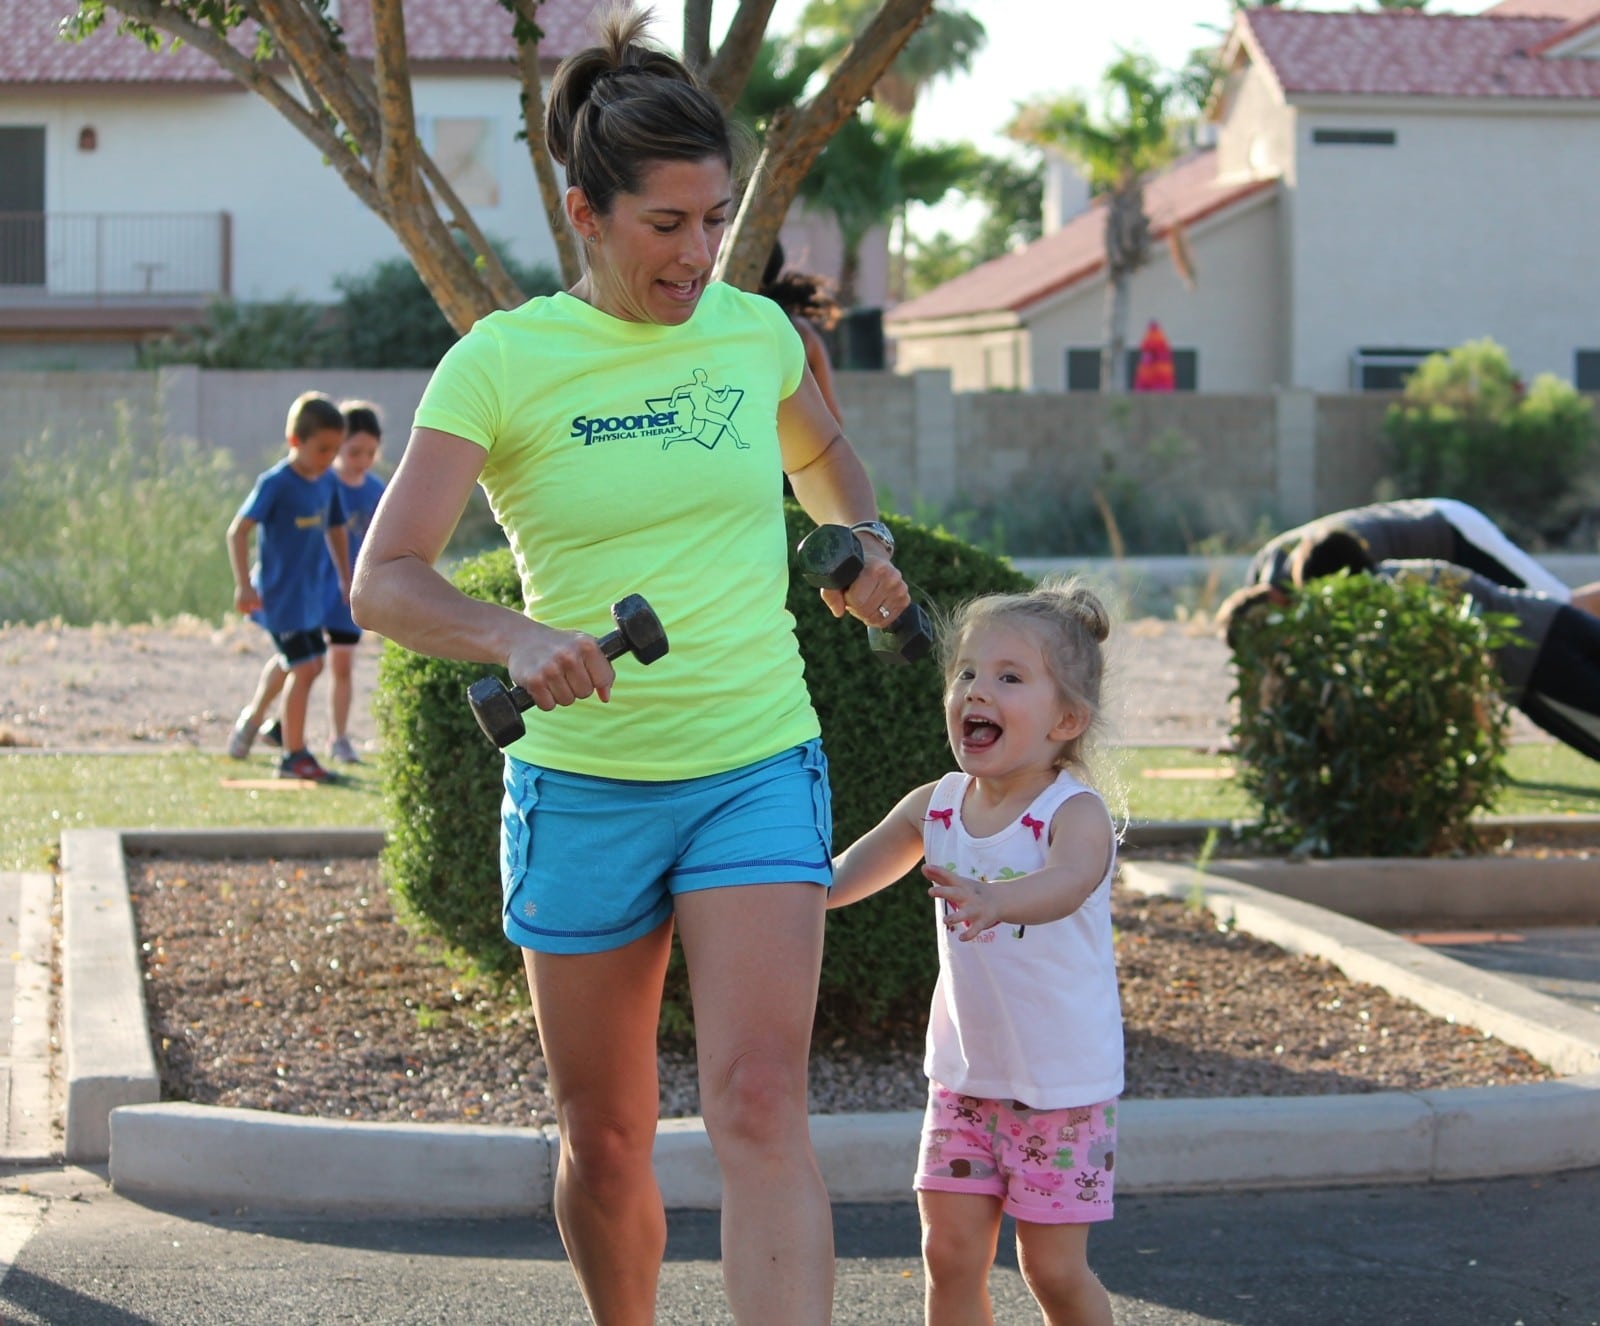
x=694 y=412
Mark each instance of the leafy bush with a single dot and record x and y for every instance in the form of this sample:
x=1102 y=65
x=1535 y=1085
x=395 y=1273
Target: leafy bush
x=881 y=726
x=1369 y=721
x=118 y=529
x=1467 y=428
x=387 y=318
x=284 y=333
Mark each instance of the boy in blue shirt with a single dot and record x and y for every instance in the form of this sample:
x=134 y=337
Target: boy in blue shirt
x=298 y=515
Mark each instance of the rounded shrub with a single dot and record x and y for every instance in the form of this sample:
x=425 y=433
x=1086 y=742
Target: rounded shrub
x=882 y=728
x=1369 y=721
x=1467 y=428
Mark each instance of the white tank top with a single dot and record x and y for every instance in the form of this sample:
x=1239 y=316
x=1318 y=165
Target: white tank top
x=1026 y=1013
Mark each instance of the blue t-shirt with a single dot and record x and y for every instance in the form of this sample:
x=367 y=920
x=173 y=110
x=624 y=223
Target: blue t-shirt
x=292 y=515
x=360 y=501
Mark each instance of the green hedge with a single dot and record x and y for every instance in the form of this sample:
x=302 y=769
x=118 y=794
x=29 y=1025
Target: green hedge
x=882 y=727
x=1369 y=720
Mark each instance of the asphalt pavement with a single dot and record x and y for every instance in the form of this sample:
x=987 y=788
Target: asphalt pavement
x=1508 y=1252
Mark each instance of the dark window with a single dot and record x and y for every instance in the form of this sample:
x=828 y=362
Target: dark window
x=1083 y=370
x=1384 y=368
x=1586 y=371
x=21 y=205
x=1354 y=137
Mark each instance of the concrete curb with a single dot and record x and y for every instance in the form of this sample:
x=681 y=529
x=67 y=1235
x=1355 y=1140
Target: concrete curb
x=105 y=1035
x=180 y=1152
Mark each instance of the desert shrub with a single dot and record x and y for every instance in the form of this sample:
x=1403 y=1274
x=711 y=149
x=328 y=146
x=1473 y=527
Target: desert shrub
x=387 y=318
x=1369 y=722
x=1467 y=428
x=881 y=726
x=115 y=529
x=284 y=333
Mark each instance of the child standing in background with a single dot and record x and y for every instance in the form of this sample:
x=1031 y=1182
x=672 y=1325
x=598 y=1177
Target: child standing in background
x=359 y=489
x=1024 y=1054
x=297 y=513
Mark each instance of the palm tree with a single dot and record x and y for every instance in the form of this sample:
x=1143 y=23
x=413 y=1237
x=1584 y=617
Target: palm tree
x=1117 y=149
x=869 y=171
x=945 y=44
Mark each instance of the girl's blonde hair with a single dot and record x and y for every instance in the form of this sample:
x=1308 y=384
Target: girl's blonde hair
x=1071 y=624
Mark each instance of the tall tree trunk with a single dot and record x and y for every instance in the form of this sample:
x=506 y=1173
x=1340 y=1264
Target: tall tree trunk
x=1127 y=249
x=849 y=272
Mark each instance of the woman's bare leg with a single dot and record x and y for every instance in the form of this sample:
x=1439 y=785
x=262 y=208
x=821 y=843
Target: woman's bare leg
x=597 y=1016
x=754 y=953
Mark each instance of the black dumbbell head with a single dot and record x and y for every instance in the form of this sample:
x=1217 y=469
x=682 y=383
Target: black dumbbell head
x=638 y=630
x=830 y=557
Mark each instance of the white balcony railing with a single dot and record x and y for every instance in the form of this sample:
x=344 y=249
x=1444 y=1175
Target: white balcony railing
x=114 y=257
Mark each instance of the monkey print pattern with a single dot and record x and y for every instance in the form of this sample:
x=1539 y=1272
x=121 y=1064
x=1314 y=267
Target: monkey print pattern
x=1037 y=1161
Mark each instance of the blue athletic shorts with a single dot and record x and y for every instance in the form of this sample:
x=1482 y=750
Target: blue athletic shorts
x=590 y=864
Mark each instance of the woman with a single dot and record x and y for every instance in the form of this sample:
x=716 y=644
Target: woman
x=695 y=795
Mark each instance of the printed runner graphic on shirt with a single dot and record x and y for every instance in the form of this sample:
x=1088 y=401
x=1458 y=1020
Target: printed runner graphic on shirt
x=693 y=412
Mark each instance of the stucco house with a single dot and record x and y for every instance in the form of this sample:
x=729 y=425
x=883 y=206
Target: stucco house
x=135 y=186
x=1381 y=185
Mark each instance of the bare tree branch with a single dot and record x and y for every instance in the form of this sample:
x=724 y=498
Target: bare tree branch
x=305 y=40
x=529 y=35
x=259 y=80
x=794 y=142
x=726 y=74
x=697 y=35
x=396 y=164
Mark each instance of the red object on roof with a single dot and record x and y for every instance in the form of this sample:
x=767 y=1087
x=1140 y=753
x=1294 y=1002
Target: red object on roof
x=1154 y=371
x=437 y=32
x=1186 y=192
x=1409 y=54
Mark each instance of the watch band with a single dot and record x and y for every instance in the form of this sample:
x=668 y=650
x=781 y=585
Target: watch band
x=878 y=530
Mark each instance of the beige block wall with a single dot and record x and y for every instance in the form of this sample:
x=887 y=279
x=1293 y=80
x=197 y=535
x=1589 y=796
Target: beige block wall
x=1231 y=463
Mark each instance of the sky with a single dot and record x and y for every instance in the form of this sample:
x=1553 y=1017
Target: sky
x=1039 y=48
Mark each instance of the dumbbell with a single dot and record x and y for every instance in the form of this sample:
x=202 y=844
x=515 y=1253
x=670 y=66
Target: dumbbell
x=499 y=708
x=830 y=557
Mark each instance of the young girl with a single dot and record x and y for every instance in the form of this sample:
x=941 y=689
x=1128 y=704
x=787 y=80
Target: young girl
x=1024 y=1054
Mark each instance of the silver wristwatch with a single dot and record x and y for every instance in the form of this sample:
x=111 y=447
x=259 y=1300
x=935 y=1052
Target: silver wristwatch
x=878 y=530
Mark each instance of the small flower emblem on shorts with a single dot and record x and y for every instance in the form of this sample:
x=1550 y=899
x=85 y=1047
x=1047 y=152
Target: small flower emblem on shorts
x=530 y=909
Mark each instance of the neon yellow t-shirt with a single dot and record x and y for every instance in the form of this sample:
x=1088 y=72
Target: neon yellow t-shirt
x=632 y=458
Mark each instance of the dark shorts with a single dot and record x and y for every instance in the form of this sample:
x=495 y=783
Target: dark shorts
x=337 y=637
x=590 y=864
x=296 y=647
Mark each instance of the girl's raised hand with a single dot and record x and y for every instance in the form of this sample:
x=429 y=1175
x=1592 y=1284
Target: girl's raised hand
x=971 y=906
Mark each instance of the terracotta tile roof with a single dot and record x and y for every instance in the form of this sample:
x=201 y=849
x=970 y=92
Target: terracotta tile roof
x=453 y=31
x=1412 y=54
x=1188 y=191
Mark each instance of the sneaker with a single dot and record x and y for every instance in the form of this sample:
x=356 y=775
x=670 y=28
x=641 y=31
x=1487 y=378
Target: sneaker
x=244 y=732
x=272 y=734
x=303 y=764
x=340 y=749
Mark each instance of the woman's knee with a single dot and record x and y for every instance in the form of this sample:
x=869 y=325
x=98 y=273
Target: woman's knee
x=760 y=1096
x=602 y=1148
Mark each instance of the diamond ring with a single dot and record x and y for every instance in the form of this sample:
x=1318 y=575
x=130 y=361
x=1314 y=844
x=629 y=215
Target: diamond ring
x=883 y=612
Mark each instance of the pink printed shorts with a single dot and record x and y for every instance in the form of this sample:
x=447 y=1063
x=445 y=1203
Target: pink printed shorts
x=1050 y=1167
